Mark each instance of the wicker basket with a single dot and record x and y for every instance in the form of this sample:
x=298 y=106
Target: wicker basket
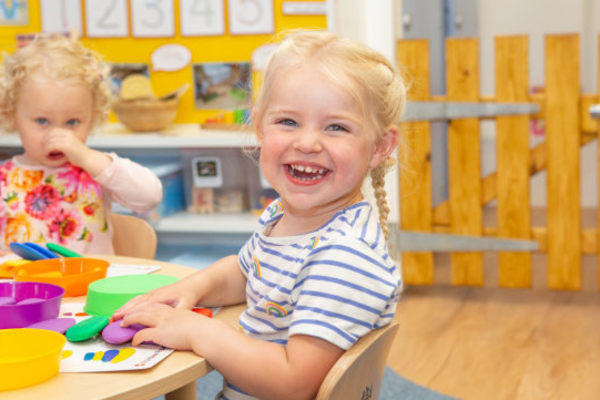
x=144 y=115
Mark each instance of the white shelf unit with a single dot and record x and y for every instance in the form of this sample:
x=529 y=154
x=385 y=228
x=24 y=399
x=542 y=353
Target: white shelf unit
x=117 y=137
x=207 y=223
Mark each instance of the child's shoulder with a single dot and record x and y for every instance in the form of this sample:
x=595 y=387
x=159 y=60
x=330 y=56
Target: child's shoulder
x=356 y=229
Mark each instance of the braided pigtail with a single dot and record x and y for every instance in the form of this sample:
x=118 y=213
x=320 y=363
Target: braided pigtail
x=378 y=182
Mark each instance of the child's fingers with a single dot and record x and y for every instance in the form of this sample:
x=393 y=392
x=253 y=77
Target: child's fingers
x=144 y=335
x=129 y=306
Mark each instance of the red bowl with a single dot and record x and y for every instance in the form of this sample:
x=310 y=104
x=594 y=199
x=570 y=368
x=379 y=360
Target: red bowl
x=22 y=315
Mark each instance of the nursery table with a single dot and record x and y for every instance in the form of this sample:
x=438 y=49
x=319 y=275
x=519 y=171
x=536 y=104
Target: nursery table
x=175 y=376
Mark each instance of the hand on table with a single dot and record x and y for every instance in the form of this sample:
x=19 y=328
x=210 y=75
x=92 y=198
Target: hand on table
x=167 y=326
x=176 y=295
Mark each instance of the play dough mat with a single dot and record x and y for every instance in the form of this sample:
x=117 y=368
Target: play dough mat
x=95 y=355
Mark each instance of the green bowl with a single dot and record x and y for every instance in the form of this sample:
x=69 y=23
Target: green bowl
x=106 y=295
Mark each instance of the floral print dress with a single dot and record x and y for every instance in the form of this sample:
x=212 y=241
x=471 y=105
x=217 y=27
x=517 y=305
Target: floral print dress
x=66 y=206
x=63 y=205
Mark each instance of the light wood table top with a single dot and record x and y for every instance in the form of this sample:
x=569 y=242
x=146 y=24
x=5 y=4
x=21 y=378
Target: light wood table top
x=175 y=376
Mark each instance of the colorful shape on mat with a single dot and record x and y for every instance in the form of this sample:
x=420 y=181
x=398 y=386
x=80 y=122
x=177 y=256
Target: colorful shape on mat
x=113 y=356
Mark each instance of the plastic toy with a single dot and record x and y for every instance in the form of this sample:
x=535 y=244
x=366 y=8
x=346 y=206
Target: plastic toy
x=106 y=295
x=17 y=315
x=59 y=325
x=63 y=251
x=41 y=249
x=28 y=357
x=203 y=311
x=115 y=334
x=6 y=301
x=27 y=252
x=86 y=329
x=73 y=274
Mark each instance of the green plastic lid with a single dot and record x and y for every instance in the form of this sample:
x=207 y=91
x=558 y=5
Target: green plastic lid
x=106 y=295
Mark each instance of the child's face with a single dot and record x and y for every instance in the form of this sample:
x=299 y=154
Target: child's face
x=45 y=105
x=316 y=145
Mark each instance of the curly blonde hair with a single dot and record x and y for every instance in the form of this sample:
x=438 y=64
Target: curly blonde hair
x=61 y=58
x=369 y=77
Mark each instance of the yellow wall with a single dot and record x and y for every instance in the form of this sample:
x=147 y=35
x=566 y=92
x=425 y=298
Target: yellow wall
x=226 y=48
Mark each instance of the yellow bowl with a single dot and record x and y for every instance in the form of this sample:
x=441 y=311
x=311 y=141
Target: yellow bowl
x=28 y=356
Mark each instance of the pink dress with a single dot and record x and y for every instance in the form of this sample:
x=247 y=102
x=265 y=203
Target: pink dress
x=67 y=206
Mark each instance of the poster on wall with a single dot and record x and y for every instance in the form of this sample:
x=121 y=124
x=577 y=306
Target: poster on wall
x=249 y=17
x=202 y=18
x=14 y=12
x=62 y=16
x=120 y=71
x=222 y=86
x=152 y=18
x=106 y=18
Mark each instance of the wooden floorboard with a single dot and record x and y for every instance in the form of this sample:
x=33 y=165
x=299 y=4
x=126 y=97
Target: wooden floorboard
x=489 y=343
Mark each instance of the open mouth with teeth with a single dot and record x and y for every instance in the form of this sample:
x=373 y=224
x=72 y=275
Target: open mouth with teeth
x=306 y=173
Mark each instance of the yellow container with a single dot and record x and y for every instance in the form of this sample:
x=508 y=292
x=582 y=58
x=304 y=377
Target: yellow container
x=28 y=356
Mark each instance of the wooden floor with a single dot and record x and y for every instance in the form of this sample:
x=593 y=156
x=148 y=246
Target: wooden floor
x=491 y=343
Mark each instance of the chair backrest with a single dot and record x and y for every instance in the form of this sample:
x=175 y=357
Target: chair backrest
x=358 y=372
x=132 y=236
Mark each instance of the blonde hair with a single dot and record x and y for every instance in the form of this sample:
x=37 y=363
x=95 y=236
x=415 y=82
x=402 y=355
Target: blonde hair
x=365 y=74
x=58 y=57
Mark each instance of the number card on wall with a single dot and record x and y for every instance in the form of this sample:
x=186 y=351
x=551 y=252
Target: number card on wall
x=106 y=18
x=15 y=12
x=248 y=17
x=152 y=18
x=202 y=17
x=61 y=16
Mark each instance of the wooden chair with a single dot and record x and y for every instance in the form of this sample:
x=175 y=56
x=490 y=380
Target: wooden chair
x=132 y=236
x=358 y=372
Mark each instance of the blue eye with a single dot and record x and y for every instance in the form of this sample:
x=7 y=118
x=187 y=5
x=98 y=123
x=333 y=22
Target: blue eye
x=338 y=128
x=42 y=121
x=73 y=122
x=287 y=122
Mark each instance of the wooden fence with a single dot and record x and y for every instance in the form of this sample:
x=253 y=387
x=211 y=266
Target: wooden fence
x=568 y=127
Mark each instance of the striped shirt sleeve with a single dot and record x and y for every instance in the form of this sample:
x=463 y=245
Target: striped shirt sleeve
x=343 y=291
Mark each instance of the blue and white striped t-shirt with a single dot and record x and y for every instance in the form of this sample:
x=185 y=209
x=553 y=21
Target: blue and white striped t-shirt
x=336 y=283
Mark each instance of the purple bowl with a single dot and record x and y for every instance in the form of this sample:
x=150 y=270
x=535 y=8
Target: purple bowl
x=22 y=315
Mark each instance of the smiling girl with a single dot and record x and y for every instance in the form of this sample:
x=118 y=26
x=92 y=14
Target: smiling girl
x=52 y=93
x=316 y=275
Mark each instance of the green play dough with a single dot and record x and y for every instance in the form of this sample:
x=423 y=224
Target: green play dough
x=106 y=295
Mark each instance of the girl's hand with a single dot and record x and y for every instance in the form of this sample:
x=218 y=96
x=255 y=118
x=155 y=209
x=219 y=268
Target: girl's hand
x=177 y=295
x=73 y=147
x=66 y=142
x=171 y=327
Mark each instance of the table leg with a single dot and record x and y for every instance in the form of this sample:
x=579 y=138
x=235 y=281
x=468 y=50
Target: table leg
x=186 y=392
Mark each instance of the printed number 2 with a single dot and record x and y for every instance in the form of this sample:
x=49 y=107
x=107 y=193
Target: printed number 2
x=106 y=18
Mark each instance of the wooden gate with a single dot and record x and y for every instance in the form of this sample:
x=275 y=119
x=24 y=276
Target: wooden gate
x=568 y=127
